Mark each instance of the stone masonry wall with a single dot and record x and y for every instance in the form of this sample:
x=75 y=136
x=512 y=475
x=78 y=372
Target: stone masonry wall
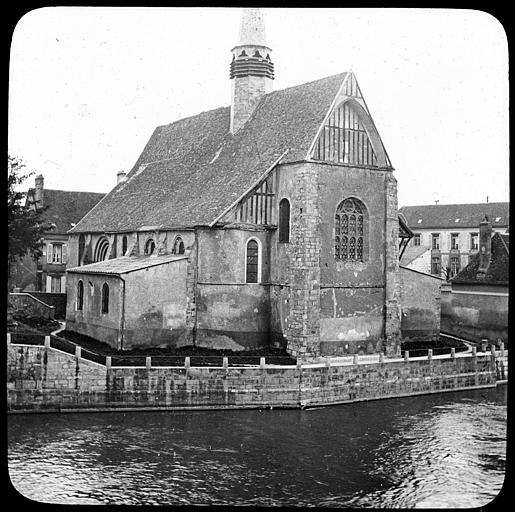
x=45 y=379
x=304 y=322
x=31 y=305
x=392 y=288
x=421 y=307
x=474 y=315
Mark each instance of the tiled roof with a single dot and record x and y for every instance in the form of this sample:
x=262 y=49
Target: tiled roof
x=448 y=216
x=192 y=170
x=498 y=270
x=411 y=253
x=126 y=264
x=66 y=207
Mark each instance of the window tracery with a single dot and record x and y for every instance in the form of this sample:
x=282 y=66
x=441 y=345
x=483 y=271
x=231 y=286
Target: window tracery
x=349 y=230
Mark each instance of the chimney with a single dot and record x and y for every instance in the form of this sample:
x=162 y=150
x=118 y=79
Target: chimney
x=120 y=177
x=38 y=193
x=252 y=70
x=485 y=247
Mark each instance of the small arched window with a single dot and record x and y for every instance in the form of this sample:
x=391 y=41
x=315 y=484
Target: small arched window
x=253 y=262
x=105 y=298
x=80 y=295
x=124 y=245
x=82 y=246
x=101 y=249
x=150 y=245
x=284 y=220
x=178 y=246
x=350 y=231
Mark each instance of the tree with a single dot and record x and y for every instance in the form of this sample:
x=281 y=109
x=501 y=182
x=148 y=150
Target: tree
x=26 y=227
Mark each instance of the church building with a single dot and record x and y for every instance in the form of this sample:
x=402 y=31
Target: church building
x=269 y=222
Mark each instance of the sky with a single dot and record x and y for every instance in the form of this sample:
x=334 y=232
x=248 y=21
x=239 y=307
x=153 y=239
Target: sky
x=88 y=86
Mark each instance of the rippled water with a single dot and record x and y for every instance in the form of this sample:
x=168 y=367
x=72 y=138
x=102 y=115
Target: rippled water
x=446 y=450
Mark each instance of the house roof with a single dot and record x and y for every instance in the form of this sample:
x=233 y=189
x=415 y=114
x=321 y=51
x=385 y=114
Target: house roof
x=412 y=253
x=498 y=270
x=126 y=264
x=66 y=207
x=449 y=216
x=194 y=169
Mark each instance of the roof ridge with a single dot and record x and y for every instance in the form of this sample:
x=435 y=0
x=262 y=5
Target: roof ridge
x=74 y=191
x=452 y=204
x=191 y=117
x=271 y=93
x=306 y=83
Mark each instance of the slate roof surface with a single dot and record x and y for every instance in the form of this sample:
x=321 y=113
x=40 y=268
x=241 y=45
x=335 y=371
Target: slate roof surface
x=443 y=216
x=66 y=207
x=125 y=264
x=498 y=271
x=192 y=170
x=411 y=253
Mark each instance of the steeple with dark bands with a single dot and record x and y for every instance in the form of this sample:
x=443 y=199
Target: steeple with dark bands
x=252 y=70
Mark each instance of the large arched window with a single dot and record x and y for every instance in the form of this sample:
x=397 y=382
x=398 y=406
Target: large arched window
x=124 y=245
x=80 y=295
x=150 y=245
x=350 y=231
x=253 y=261
x=178 y=246
x=82 y=246
x=284 y=220
x=102 y=249
x=105 y=298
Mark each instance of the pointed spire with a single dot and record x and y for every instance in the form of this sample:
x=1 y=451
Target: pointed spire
x=252 y=29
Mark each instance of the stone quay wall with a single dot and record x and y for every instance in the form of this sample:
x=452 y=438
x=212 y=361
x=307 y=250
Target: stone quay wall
x=45 y=379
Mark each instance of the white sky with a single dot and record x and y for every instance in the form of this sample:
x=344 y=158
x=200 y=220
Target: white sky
x=89 y=85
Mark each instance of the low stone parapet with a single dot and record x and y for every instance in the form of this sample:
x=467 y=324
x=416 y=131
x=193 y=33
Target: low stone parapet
x=44 y=378
x=31 y=305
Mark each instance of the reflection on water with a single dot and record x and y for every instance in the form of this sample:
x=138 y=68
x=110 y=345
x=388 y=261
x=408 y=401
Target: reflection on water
x=446 y=450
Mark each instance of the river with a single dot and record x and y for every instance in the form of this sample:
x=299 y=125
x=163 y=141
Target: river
x=442 y=450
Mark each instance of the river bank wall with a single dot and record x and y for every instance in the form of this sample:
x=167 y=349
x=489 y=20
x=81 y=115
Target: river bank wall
x=45 y=379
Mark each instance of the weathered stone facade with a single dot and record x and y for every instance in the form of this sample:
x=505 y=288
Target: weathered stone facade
x=392 y=287
x=317 y=287
x=304 y=265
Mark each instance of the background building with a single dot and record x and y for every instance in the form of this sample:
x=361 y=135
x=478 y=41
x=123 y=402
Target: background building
x=476 y=305
x=451 y=231
x=63 y=210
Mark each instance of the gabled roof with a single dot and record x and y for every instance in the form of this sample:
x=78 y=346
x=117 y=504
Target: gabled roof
x=126 y=264
x=66 y=207
x=192 y=170
x=412 y=253
x=449 y=216
x=498 y=271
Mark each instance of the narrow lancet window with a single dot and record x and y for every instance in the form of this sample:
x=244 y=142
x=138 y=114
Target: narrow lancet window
x=178 y=246
x=252 y=270
x=150 y=245
x=284 y=220
x=80 y=295
x=105 y=298
x=82 y=246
